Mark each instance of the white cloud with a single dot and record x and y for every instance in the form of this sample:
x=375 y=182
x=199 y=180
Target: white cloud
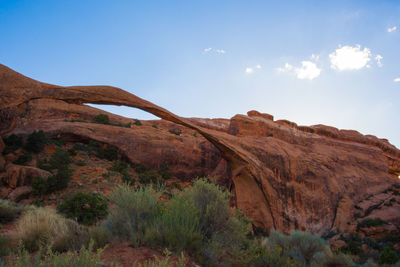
x=378 y=59
x=249 y=70
x=287 y=67
x=217 y=51
x=397 y=80
x=350 y=58
x=308 y=70
x=252 y=69
x=392 y=29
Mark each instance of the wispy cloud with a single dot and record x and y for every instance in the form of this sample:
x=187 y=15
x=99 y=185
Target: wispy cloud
x=397 y=80
x=350 y=58
x=249 y=70
x=392 y=29
x=378 y=59
x=307 y=71
x=210 y=50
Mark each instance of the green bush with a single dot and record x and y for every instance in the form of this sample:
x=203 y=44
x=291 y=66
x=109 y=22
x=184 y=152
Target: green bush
x=132 y=212
x=100 y=236
x=13 y=142
x=212 y=203
x=59 y=181
x=141 y=169
x=60 y=159
x=371 y=223
x=388 y=256
x=39 y=186
x=301 y=246
x=84 y=208
x=101 y=119
x=36 y=141
x=158 y=262
x=5 y=245
x=149 y=177
x=164 y=172
x=175 y=131
x=23 y=159
x=84 y=258
x=137 y=122
x=43 y=164
x=119 y=166
x=9 y=210
x=177 y=228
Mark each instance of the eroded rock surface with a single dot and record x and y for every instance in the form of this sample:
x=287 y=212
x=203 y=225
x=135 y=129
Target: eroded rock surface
x=283 y=176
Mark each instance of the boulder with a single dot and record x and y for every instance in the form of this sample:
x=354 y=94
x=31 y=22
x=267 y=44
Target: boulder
x=20 y=193
x=16 y=175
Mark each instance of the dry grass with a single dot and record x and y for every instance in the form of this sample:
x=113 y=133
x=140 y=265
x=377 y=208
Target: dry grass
x=42 y=227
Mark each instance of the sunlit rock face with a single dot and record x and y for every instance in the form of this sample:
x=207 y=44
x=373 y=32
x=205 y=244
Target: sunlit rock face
x=283 y=176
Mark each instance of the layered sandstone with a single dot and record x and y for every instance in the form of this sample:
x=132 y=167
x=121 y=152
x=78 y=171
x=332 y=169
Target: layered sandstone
x=283 y=176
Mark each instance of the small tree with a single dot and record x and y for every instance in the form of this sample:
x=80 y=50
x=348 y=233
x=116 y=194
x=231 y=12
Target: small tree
x=85 y=208
x=102 y=119
x=36 y=141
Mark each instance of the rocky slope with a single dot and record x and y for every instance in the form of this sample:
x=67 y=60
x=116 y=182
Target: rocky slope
x=283 y=176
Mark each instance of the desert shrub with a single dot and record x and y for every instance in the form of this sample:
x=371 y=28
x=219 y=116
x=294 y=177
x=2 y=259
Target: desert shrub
x=59 y=181
x=110 y=153
x=43 y=164
x=5 y=245
x=158 y=262
x=39 y=186
x=301 y=246
x=388 y=256
x=80 y=163
x=85 y=257
x=230 y=246
x=97 y=149
x=84 y=208
x=149 y=177
x=100 y=236
x=128 y=179
x=13 y=142
x=101 y=119
x=175 y=131
x=212 y=203
x=177 y=228
x=119 y=166
x=270 y=256
x=164 y=172
x=80 y=147
x=371 y=223
x=9 y=210
x=60 y=159
x=141 y=169
x=40 y=227
x=36 y=141
x=23 y=159
x=132 y=212
x=137 y=122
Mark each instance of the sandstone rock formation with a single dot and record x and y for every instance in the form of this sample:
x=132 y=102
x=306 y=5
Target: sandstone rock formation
x=283 y=176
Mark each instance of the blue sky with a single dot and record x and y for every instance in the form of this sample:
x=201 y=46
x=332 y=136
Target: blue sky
x=329 y=62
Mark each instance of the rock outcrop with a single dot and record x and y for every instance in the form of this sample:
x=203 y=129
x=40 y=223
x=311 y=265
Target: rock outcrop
x=283 y=176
